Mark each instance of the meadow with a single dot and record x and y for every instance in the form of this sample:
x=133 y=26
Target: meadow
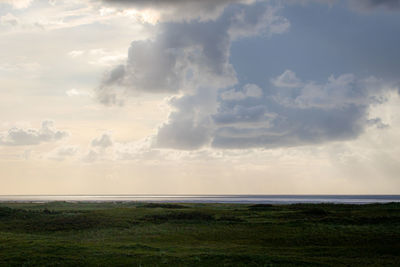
x=170 y=234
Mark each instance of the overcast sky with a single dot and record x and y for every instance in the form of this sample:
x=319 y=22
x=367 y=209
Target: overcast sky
x=206 y=97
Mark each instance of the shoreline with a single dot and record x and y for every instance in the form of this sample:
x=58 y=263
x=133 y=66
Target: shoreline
x=204 y=199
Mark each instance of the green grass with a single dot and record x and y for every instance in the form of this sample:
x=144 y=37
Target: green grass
x=155 y=234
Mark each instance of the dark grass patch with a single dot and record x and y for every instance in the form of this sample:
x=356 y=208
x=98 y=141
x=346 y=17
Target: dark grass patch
x=227 y=218
x=316 y=211
x=163 y=206
x=261 y=207
x=138 y=247
x=45 y=220
x=355 y=220
x=63 y=223
x=180 y=216
x=6 y=212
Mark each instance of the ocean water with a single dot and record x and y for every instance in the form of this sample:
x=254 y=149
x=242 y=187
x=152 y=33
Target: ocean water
x=244 y=199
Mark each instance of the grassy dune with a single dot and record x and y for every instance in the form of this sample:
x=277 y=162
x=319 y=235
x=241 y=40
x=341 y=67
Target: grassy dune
x=140 y=234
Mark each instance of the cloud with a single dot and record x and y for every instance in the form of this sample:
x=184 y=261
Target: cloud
x=75 y=92
x=178 y=10
x=142 y=150
x=91 y=156
x=103 y=141
x=185 y=56
x=249 y=90
x=109 y=92
x=392 y=5
x=103 y=57
x=28 y=69
x=174 y=61
x=39 y=16
x=363 y=5
x=101 y=148
x=284 y=114
x=287 y=79
x=104 y=148
x=242 y=115
x=309 y=113
x=191 y=60
x=27 y=154
x=19 y=136
x=9 y=19
x=17 y=4
x=189 y=126
x=76 y=53
x=63 y=153
x=99 y=56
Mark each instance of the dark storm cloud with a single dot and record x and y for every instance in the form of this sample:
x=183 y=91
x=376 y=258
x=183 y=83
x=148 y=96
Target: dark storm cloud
x=241 y=114
x=184 y=56
x=294 y=127
x=362 y=4
x=178 y=57
x=371 y=4
x=191 y=60
x=189 y=126
x=107 y=93
x=282 y=115
x=308 y=113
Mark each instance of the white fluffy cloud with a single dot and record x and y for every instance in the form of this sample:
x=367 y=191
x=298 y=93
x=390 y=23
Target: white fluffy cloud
x=20 y=136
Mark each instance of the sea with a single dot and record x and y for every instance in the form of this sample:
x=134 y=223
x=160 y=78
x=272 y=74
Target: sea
x=239 y=199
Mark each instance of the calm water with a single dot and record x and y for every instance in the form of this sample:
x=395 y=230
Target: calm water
x=268 y=199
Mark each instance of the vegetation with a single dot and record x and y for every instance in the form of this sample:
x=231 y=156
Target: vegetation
x=155 y=234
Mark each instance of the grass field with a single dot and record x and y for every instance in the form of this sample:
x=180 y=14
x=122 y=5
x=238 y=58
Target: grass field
x=145 y=234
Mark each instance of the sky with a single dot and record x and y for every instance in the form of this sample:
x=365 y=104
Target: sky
x=199 y=97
